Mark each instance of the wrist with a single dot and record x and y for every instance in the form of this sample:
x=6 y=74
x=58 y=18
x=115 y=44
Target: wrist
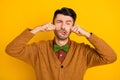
x=36 y=30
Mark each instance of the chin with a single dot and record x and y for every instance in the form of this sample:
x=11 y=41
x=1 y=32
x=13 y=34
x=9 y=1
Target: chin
x=62 y=37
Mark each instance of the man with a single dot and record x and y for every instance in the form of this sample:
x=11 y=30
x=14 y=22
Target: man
x=61 y=58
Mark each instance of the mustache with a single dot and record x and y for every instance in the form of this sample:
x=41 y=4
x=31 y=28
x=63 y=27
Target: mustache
x=63 y=30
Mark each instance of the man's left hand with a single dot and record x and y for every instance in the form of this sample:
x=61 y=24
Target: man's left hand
x=80 y=31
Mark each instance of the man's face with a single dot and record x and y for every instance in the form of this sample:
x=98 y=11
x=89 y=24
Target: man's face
x=63 y=25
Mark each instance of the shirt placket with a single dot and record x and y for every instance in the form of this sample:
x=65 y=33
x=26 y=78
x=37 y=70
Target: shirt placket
x=61 y=55
x=61 y=74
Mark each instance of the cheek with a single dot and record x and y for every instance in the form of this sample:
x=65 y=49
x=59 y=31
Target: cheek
x=68 y=28
x=57 y=26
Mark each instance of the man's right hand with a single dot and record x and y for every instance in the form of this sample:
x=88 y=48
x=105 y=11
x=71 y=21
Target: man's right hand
x=43 y=28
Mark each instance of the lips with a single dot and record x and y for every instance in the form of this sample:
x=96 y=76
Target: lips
x=63 y=32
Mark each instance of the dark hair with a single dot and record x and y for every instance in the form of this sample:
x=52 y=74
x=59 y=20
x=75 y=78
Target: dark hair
x=65 y=11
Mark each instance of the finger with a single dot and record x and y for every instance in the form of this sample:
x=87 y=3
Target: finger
x=74 y=29
x=48 y=27
x=43 y=29
x=51 y=27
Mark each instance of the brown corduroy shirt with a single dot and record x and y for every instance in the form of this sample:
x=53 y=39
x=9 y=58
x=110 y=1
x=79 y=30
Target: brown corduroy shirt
x=48 y=67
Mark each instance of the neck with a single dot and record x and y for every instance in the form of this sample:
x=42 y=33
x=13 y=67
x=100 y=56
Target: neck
x=61 y=42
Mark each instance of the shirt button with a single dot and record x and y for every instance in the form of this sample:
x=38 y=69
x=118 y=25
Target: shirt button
x=60 y=54
x=61 y=66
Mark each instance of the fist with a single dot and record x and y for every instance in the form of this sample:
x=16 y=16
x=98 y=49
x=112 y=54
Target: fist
x=80 y=31
x=76 y=29
x=47 y=27
x=43 y=28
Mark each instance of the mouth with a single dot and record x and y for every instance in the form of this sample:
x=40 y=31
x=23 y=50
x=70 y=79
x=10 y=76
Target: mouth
x=63 y=32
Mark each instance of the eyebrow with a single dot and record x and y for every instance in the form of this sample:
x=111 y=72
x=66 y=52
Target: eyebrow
x=58 y=20
x=66 y=21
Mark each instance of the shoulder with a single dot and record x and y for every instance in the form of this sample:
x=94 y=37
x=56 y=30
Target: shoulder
x=44 y=43
x=81 y=45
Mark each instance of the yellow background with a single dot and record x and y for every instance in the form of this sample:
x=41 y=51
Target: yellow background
x=98 y=16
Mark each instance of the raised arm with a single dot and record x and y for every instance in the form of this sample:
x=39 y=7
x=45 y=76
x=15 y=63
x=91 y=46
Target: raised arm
x=101 y=54
x=27 y=52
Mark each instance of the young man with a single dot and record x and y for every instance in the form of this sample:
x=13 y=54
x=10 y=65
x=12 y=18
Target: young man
x=61 y=58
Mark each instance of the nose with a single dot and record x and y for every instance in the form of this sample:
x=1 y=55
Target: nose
x=63 y=26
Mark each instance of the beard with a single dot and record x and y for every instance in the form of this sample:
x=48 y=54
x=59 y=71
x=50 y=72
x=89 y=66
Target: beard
x=62 y=34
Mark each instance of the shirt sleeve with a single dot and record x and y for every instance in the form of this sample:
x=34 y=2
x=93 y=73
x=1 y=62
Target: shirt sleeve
x=101 y=54
x=20 y=49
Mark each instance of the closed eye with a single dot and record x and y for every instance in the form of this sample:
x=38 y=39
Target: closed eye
x=59 y=21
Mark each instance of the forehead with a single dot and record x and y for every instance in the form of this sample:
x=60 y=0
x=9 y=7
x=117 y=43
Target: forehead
x=63 y=17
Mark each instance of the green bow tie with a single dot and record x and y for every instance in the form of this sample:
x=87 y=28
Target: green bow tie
x=57 y=48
